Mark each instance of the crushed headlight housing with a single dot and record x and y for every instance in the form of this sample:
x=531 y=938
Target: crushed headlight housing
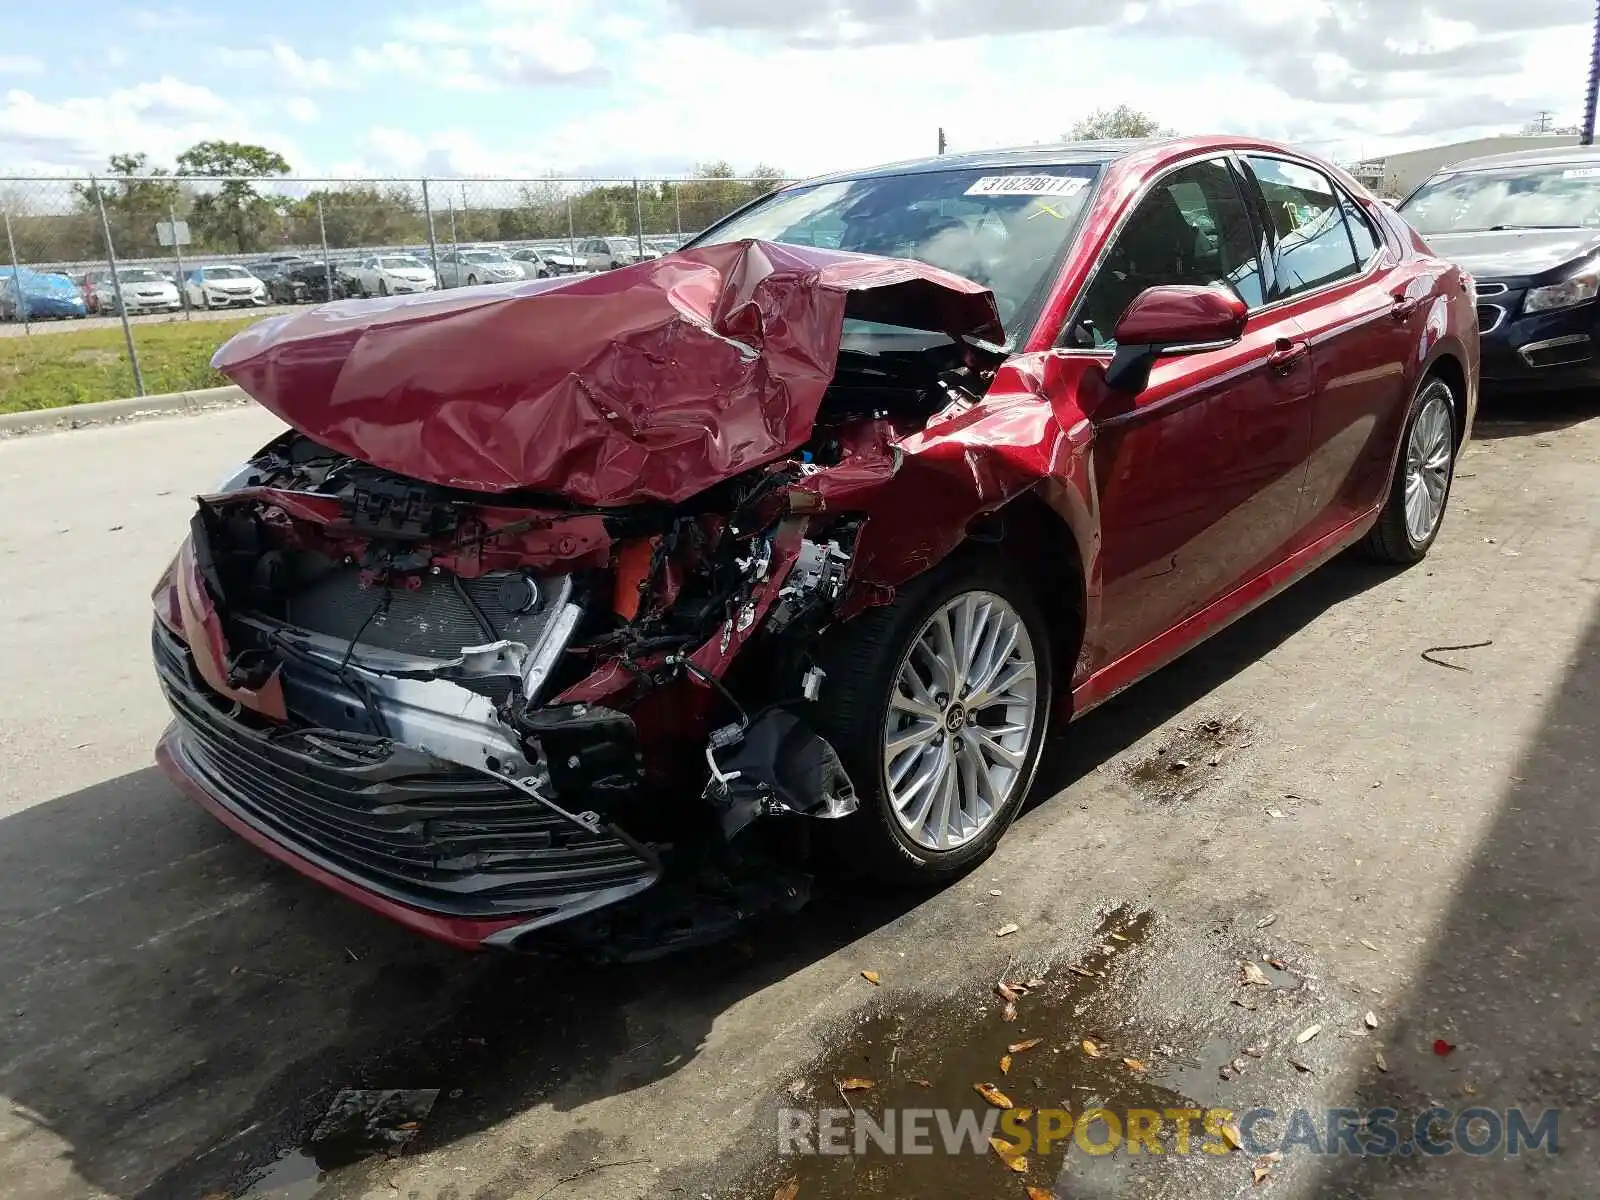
x=1580 y=289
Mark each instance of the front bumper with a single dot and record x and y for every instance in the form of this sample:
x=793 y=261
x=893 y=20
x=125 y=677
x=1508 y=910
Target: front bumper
x=230 y=300
x=451 y=853
x=1548 y=351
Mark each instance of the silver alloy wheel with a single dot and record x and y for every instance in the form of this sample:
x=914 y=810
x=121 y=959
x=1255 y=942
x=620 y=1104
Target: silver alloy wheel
x=960 y=722
x=1429 y=450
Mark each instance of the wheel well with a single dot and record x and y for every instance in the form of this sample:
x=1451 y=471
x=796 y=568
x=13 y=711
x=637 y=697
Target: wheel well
x=1038 y=543
x=1448 y=368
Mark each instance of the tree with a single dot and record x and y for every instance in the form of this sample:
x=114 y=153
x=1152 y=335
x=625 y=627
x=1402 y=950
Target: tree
x=235 y=213
x=356 y=215
x=1118 y=122
x=136 y=195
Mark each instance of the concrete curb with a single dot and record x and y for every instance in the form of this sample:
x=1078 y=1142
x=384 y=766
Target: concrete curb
x=77 y=415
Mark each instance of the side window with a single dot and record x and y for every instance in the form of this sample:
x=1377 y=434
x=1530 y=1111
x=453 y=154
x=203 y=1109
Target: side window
x=1192 y=228
x=1362 y=235
x=1314 y=245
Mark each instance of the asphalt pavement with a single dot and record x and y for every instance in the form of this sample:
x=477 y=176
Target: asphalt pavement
x=1401 y=841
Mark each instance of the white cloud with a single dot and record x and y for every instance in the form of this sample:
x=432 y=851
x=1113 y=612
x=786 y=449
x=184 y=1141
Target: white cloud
x=302 y=108
x=77 y=134
x=20 y=64
x=284 y=64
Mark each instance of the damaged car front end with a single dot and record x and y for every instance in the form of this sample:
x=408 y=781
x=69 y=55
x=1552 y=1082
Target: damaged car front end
x=512 y=635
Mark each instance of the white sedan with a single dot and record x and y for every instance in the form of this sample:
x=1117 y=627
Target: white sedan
x=225 y=285
x=397 y=274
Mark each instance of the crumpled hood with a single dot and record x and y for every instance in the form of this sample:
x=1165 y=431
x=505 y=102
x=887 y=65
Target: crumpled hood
x=651 y=382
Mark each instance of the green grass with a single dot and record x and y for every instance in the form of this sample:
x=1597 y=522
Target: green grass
x=57 y=370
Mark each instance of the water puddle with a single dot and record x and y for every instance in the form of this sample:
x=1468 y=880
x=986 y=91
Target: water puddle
x=360 y=1123
x=1067 y=1051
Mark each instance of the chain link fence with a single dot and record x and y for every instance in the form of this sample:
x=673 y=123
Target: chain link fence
x=155 y=265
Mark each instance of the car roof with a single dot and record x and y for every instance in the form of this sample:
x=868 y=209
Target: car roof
x=1058 y=154
x=1544 y=156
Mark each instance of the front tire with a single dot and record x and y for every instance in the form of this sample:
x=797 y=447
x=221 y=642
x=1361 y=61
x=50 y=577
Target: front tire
x=1414 y=511
x=383 y=287
x=937 y=704
x=472 y=281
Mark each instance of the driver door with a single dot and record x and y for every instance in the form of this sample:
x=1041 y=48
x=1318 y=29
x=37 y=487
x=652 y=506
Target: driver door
x=1199 y=474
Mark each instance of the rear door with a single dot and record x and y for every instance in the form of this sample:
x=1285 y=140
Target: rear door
x=1361 y=311
x=1198 y=475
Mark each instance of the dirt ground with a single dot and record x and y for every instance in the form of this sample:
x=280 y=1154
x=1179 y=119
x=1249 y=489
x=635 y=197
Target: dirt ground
x=1405 y=852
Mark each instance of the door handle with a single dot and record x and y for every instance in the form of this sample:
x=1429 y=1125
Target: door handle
x=1285 y=354
x=1403 y=305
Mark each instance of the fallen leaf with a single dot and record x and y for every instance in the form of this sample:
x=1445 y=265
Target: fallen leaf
x=1009 y=1012
x=1300 y=1066
x=1230 y=1134
x=1005 y=991
x=1090 y=1048
x=1255 y=1051
x=1306 y=1034
x=787 y=1191
x=1007 y=929
x=1038 y=1193
x=1119 y=937
x=1008 y=1155
x=1084 y=971
x=1369 y=945
x=1383 y=1063
x=1019 y=1047
x=1251 y=976
x=1005 y=1064
x=1266 y=920
x=1277 y=963
x=856 y=1084
x=1442 y=1047
x=871 y=977
x=1468 y=1090
x=1258 y=1173
x=993 y=1095
x=1033 y=983
x=925 y=1083
x=1371 y=1020
x=1133 y=1064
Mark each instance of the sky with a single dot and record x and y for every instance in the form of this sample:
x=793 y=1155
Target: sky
x=651 y=87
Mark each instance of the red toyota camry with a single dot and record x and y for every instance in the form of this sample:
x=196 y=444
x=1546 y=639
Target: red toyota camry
x=603 y=610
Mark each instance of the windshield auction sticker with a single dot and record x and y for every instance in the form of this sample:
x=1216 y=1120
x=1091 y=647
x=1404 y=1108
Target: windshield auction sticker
x=1028 y=185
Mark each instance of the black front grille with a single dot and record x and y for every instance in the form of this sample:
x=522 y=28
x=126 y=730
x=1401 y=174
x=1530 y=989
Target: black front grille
x=431 y=619
x=391 y=818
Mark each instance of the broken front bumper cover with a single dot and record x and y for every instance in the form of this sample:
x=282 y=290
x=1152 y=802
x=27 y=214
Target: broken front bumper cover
x=450 y=852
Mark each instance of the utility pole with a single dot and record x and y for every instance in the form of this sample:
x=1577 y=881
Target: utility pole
x=1587 y=138
x=941 y=139
x=1542 y=124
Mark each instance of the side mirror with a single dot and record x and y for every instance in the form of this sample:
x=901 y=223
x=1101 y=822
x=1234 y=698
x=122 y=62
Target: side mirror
x=1171 y=319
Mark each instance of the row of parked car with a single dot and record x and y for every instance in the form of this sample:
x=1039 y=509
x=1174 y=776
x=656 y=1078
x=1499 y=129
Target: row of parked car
x=304 y=279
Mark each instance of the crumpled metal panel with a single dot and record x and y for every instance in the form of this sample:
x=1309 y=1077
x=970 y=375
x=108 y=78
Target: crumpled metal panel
x=651 y=382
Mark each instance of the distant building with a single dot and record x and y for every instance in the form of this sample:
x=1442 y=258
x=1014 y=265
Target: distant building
x=1398 y=174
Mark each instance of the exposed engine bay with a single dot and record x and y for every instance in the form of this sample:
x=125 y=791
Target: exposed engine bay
x=617 y=694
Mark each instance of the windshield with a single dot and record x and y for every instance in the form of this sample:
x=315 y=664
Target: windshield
x=227 y=273
x=141 y=275
x=1559 y=196
x=401 y=264
x=483 y=256
x=1005 y=228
